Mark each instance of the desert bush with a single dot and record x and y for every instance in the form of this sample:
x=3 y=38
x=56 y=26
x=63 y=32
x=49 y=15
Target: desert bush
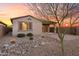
x=29 y=34
x=42 y=36
x=12 y=41
x=21 y=35
x=31 y=38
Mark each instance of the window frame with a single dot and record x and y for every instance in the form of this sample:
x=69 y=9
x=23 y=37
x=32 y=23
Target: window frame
x=28 y=26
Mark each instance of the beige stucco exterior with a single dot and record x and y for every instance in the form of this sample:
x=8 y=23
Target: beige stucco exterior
x=36 y=26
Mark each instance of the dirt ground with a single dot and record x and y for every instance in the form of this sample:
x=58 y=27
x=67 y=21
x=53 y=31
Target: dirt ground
x=48 y=45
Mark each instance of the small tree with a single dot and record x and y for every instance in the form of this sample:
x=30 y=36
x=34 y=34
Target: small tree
x=74 y=19
x=60 y=12
x=40 y=12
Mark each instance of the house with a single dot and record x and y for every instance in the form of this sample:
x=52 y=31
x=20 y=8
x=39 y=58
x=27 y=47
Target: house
x=30 y=24
x=68 y=30
x=3 y=27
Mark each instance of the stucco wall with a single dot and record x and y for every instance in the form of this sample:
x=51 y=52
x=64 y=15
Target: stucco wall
x=36 y=26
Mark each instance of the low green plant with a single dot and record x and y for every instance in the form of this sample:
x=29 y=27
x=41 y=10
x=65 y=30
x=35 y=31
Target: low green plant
x=30 y=35
x=21 y=35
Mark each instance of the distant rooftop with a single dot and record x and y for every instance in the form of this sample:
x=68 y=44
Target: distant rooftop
x=3 y=23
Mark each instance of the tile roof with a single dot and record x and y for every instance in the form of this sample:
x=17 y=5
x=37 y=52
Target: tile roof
x=45 y=22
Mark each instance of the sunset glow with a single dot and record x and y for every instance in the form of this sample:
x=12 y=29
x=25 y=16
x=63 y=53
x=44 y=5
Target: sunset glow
x=13 y=10
x=8 y=11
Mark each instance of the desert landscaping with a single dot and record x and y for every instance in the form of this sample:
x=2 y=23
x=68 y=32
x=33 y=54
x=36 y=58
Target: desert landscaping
x=39 y=29
x=46 y=44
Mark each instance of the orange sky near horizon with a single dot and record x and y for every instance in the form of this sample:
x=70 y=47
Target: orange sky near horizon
x=11 y=10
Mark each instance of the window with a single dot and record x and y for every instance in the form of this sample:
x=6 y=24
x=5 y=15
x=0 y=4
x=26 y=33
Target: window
x=25 y=26
x=30 y=25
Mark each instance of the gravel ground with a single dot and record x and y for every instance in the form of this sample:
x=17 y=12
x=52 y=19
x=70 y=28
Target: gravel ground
x=49 y=45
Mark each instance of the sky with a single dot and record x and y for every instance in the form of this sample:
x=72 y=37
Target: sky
x=13 y=10
x=10 y=10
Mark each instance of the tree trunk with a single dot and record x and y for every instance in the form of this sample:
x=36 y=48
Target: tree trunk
x=62 y=46
x=61 y=37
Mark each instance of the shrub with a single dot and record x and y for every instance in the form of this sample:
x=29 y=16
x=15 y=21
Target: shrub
x=13 y=42
x=29 y=34
x=42 y=36
x=31 y=38
x=21 y=35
